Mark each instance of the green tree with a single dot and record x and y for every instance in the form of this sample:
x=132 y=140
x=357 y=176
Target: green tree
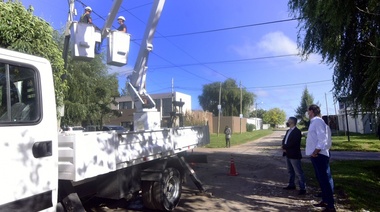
x=274 y=117
x=231 y=95
x=259 y=113
x=306 y=100
x=91 y=93
x=20 y=30
x=346 y=34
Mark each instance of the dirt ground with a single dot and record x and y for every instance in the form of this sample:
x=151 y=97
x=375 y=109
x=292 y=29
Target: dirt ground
x=257 y=187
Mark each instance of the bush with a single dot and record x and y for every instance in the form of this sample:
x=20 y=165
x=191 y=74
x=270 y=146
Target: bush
x=250 y=127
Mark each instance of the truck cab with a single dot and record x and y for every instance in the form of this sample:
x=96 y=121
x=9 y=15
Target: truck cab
x=28 y=129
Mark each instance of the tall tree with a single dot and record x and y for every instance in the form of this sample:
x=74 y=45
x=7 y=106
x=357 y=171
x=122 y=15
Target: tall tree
x=347 y=35
x=20 y=30
x=258 y=113
x=274 y=117
x=231 y=94
x=91 y=92
x=306 y=100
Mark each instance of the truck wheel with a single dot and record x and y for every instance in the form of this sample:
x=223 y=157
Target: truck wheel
x=147 y=194
x=167 y=191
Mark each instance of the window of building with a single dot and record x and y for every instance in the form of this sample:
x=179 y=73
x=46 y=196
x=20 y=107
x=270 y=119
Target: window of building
x=166 y=106
x=125 y=105
x=158 y=104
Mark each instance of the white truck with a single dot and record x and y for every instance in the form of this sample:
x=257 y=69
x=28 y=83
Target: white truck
x=45 y=170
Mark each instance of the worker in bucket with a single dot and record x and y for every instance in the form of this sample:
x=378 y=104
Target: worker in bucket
x=122 y=26
x=86 y=17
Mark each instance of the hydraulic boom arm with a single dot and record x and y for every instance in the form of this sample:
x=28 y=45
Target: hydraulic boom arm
x=137 y=80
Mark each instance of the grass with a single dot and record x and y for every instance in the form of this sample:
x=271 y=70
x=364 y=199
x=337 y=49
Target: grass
x=236 y=138
x=357 y=183
x=358 y=142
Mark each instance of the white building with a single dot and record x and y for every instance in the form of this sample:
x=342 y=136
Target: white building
x=361 y=123
x=258 y=122
x=164 y=104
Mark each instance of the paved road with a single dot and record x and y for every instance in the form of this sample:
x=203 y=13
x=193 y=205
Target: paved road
x=340 y=155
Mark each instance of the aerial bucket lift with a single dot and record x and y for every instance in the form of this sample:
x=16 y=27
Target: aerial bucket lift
x=86 y=38
x=118 y=48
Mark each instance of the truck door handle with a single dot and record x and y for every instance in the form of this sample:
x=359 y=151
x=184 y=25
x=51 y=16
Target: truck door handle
x=42 y=149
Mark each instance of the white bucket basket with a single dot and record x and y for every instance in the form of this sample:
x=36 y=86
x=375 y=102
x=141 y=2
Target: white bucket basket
x=83 y=37
x=118 y=48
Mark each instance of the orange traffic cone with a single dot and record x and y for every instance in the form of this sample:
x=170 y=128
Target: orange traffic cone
x=233 y=168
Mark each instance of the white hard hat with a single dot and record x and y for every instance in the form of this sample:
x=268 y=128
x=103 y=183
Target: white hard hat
x=88 y=8
x=121 y=17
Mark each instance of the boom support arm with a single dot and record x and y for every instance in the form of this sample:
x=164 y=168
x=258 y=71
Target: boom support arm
x=110 y=18
x=137 y=80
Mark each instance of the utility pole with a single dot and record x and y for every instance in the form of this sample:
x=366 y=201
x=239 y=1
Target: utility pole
x=257 y=115
x=336 y=114
x=344 y=99
x=219 y=107
x=327 y=110
x=241 y=106
x=348 y=129
x=256 y=109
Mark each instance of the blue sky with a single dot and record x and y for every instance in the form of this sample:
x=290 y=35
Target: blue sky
x=231 y=51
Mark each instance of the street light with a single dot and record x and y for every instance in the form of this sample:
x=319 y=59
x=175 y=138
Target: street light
x=257 y=121
x=256 y=107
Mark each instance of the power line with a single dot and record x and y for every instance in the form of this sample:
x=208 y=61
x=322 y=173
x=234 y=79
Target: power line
x=200 y=32
x=164 y=58
x=269 y=86
x=229 y=61
x=200 y=63
x=287 y=85
x=92 y=11
x=231 y=28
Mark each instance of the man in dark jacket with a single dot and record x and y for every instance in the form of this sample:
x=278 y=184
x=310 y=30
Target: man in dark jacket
x=291 y=146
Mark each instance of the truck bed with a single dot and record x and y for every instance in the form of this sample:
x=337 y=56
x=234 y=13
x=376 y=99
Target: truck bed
x=88 y=154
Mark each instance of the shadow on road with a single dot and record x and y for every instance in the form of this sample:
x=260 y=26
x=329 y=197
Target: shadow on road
x=258 y=186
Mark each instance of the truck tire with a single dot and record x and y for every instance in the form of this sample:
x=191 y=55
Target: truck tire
x=147 y=194
x=167 y=191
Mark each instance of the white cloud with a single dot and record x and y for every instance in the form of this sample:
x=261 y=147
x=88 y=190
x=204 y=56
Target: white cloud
x=277 y=43
x=273 y=44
